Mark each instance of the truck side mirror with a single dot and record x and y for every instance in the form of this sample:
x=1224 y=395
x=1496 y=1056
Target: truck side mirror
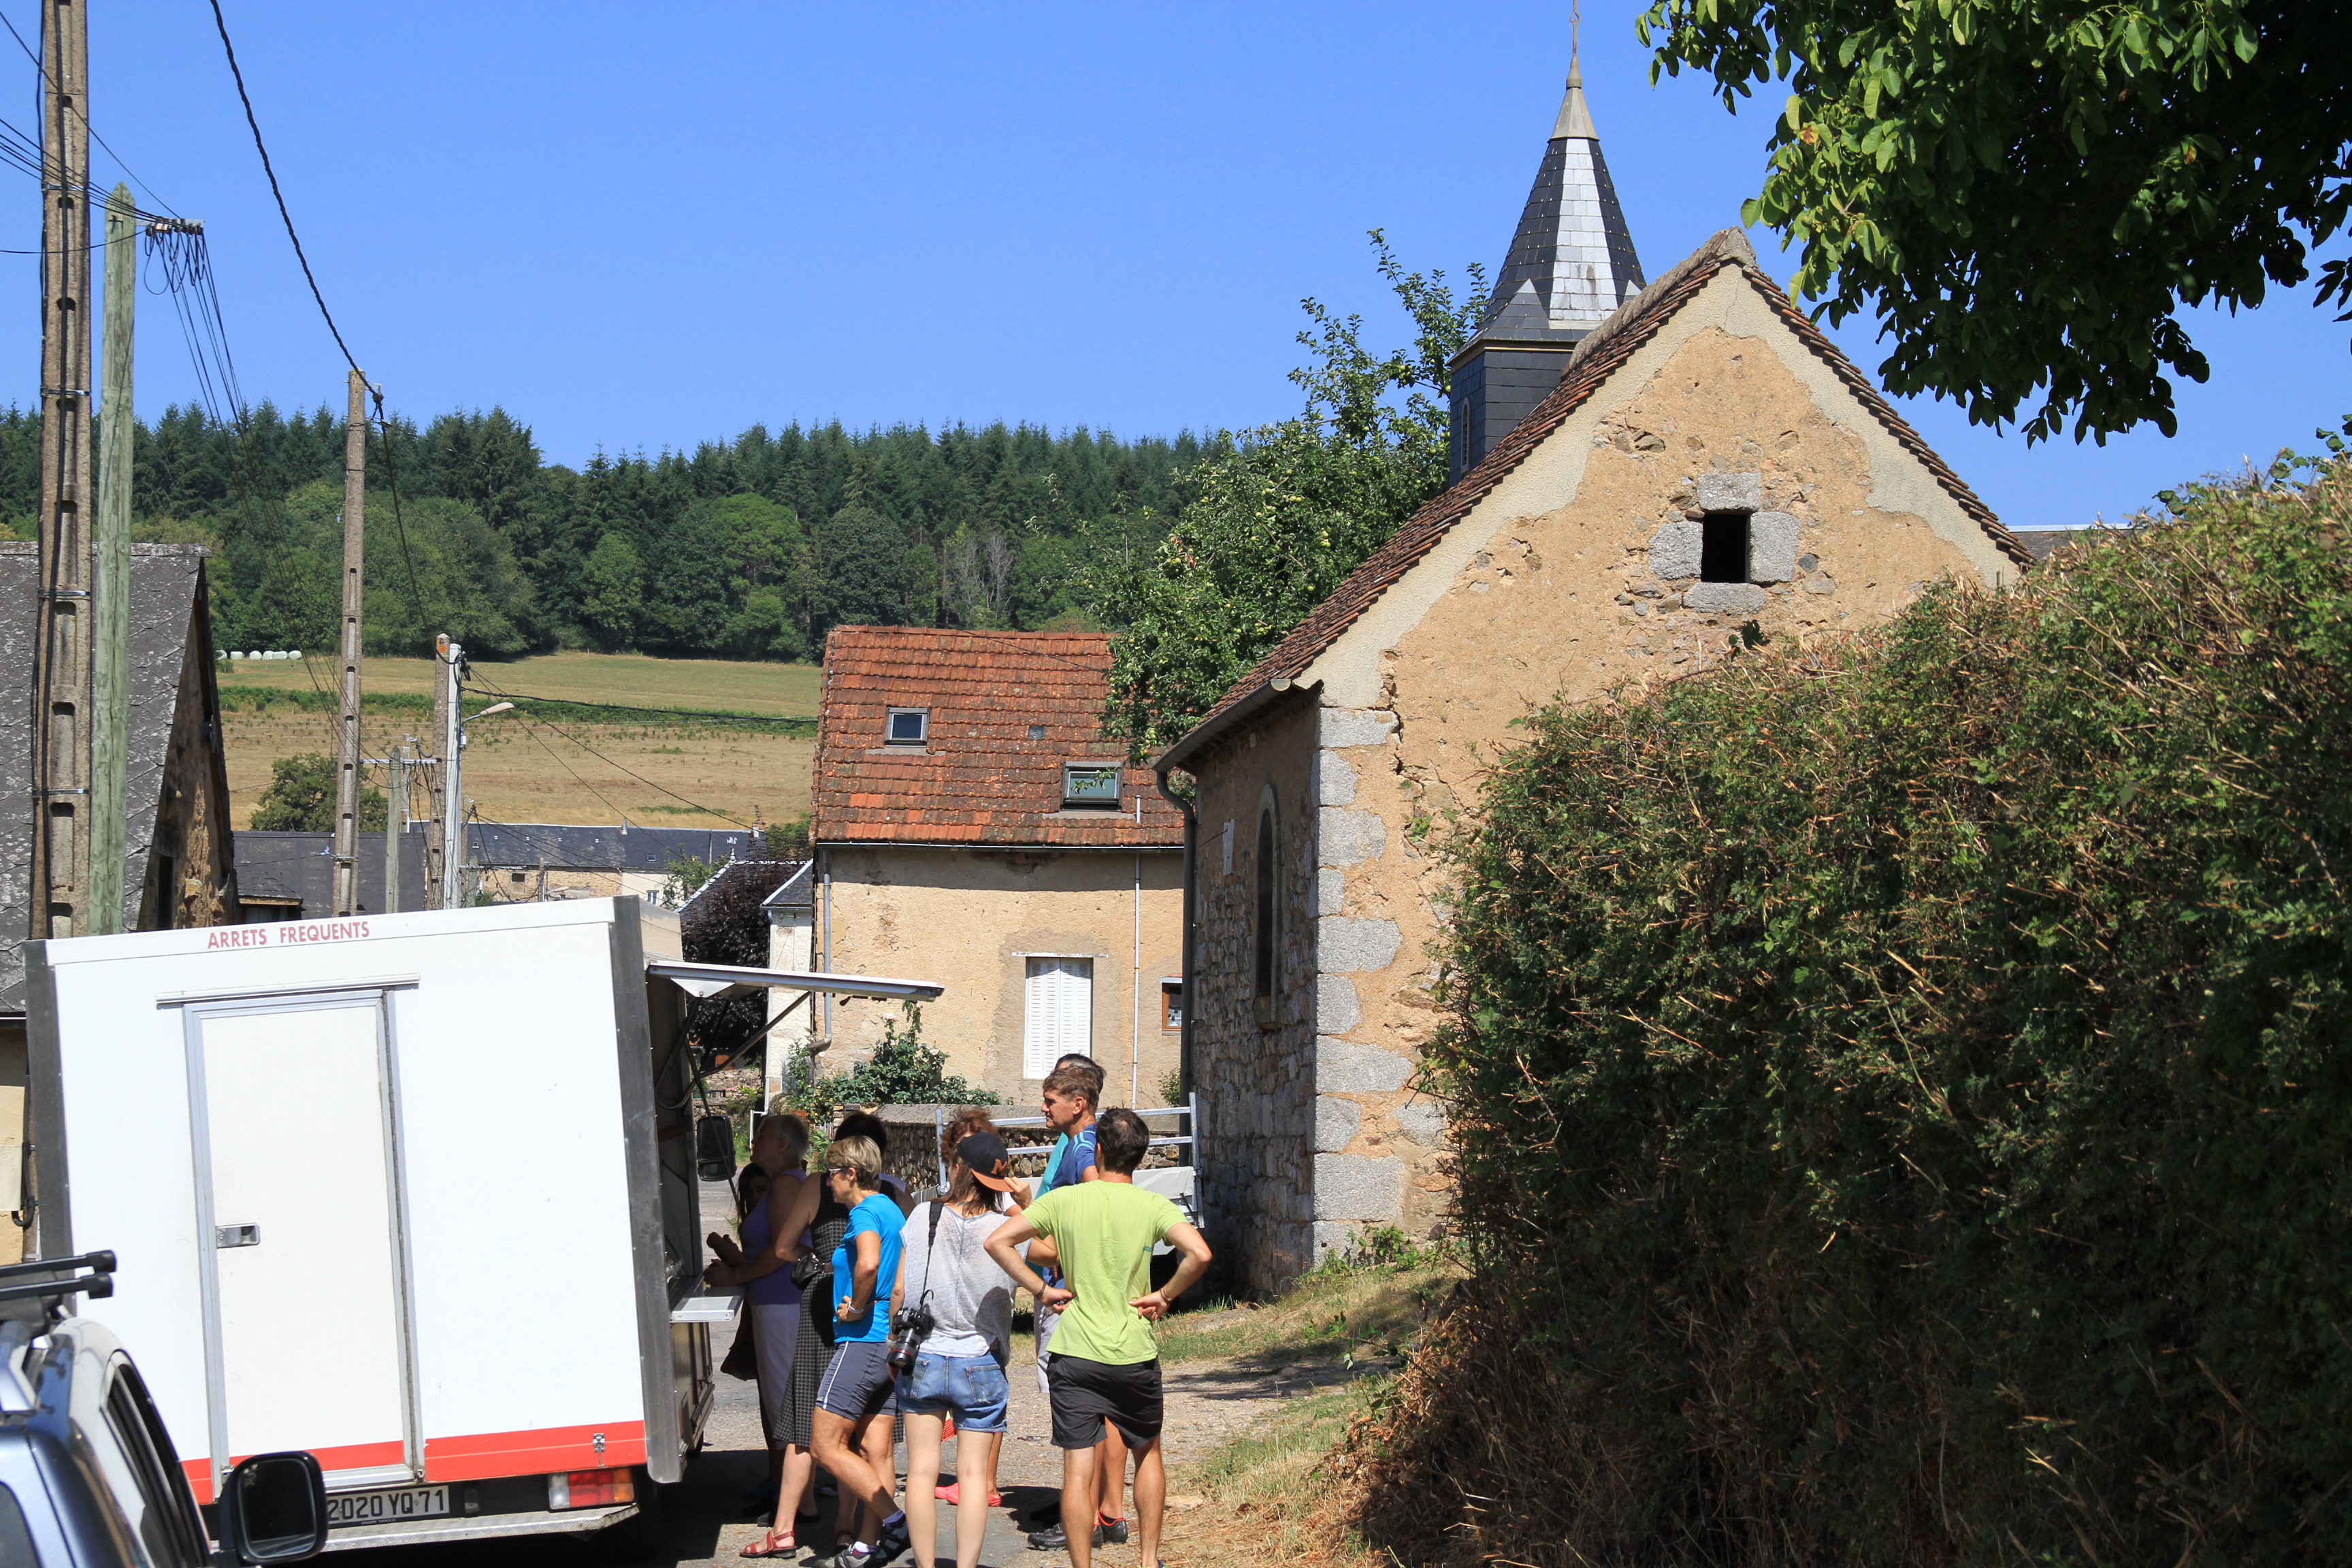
x=274 y=1509
x=714 y=1147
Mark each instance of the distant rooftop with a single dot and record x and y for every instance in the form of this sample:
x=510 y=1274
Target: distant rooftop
x=964 y=736
x=565 y=847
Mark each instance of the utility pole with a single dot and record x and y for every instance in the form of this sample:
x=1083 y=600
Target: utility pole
x=110 y=596
x=453 y=812
x=347 y=773
x=395 y=825
x=62 y=653
x=436 y=780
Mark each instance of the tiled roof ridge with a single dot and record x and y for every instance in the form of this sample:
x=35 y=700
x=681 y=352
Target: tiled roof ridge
x=1602 y=350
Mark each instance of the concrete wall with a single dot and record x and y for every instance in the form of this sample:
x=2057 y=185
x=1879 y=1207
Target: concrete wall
x=1254 y=1059
x=970 y=918
x=1567 y=584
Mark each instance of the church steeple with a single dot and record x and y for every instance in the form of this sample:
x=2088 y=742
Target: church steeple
x=1571 y=264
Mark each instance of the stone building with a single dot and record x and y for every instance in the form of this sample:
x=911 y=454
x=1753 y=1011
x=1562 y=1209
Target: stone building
x=972 y=825
x=1707 y=462
x=180 y=871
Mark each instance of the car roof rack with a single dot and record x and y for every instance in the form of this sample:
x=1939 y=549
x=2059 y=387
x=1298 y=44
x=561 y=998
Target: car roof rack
x=42 y=1287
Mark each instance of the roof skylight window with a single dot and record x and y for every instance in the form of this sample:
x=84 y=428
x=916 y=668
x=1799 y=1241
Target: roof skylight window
x=909 y=726
x=1090 y=784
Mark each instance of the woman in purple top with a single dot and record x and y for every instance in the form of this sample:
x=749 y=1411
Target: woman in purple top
x=762 y=1269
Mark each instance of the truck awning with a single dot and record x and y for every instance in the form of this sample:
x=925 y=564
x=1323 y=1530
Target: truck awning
x=708 y=979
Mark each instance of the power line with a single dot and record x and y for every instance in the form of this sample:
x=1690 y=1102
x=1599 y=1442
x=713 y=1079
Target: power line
x=710 y=811
x=392 y=479
x=94 y=136
x=532 y=730
x=675 y=712
x=228 y=49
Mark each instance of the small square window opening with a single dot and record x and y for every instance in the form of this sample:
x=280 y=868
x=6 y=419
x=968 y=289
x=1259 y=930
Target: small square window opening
x=1723 y=547
x=1090 y=784
x=1037 y=731
x=1171 y=1006
x=909 y=726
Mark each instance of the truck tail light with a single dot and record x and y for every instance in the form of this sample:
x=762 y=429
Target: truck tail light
x=590 y=1489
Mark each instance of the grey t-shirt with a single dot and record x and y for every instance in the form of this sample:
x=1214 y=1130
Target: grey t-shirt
x=972 y=1298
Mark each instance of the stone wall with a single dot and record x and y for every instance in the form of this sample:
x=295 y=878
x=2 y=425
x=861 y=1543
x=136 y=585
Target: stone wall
x=1253 y=1064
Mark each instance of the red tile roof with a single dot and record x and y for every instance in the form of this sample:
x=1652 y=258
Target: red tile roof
x=1597 y=357
x=1007 y=709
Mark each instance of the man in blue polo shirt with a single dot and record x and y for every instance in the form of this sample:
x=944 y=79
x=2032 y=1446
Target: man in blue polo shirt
x=1072 y=1095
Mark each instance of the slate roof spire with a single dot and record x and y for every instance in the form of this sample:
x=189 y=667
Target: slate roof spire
x=1572 y=263
x=1573 y=260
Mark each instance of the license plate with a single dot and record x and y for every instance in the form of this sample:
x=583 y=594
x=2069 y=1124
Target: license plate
x=382 y=1508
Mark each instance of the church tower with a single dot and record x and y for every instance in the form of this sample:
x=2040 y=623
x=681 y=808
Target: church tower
x=1570 y=265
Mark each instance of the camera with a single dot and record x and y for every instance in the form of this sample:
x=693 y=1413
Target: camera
x=909 y=1326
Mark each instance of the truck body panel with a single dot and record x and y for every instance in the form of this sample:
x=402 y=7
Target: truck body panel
x=395 y=1189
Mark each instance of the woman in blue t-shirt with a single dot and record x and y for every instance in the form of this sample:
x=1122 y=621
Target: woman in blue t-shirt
x=856 y=1389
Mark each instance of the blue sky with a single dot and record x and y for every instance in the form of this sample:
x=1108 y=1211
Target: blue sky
x=638 y=227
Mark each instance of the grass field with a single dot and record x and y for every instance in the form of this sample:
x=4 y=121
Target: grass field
x=622 y=679
x=549 y=765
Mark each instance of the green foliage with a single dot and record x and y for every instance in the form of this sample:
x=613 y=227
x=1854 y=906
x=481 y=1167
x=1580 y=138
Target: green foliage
x=1268 y=530
x=704 y=554
x=686 y=876
x=1900 y=1092
x=302 y=799
x=787 y=841
x=903 y=1070
x=2028 y=193
x=1171 y=1087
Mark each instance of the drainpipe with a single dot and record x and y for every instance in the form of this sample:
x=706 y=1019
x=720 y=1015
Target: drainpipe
x=824 y=858
x=1135 y=1031
x=1192 y=892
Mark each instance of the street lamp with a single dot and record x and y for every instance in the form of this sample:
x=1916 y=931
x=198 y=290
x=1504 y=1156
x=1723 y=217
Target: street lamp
x=453 y=818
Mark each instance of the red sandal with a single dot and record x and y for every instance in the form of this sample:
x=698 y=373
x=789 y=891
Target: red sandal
x=766 y=1545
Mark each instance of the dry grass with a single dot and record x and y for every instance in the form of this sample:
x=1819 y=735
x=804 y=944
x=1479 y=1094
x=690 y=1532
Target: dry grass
x=1335 y=1342
x=518 y=769
x=624 y=678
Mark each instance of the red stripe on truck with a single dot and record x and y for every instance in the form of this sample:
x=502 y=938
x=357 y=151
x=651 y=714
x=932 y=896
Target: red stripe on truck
x=350 y=1457
x=542 y=1451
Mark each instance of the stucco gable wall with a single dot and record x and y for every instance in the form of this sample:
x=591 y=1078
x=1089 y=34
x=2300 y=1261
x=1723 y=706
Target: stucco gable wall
x=1548 y=592
x=1899 y=485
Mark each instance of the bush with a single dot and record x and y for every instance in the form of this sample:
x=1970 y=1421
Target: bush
x=302 y=799
x=1901 y=1092
x=902 y=1071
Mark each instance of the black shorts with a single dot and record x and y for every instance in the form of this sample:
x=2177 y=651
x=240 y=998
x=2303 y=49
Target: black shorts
x=1086 y=1393
x=857 y=1383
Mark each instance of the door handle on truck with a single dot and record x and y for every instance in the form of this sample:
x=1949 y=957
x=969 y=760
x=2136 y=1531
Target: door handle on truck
x=236 y=1235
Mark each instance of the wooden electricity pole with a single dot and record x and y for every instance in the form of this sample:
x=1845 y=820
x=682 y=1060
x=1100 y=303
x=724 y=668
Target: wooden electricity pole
x=347 y=771
x=62 y=653
x=109 y=598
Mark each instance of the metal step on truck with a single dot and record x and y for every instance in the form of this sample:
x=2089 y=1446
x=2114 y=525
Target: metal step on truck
x=415 y=1194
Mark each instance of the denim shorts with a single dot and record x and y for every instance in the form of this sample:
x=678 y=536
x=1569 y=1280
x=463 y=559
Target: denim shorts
x=970 y=1388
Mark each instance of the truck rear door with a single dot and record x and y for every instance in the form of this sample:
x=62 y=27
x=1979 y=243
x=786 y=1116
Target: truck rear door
x=298 y=1184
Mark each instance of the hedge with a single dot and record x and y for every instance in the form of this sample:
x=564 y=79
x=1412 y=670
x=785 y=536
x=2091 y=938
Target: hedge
x=1902 y=1091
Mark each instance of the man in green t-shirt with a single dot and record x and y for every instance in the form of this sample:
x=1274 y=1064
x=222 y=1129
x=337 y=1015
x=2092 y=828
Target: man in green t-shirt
x=1105 y=1365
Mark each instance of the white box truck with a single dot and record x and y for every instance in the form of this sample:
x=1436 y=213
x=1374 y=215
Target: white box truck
x=415 y=1192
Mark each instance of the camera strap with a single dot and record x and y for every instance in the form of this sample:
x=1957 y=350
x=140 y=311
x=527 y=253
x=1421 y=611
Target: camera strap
x=931 y=1247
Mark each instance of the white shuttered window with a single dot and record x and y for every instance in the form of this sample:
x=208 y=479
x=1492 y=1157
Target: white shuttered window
x=1060 y=1005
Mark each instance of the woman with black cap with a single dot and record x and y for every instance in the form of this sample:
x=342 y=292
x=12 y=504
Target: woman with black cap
x=944 y=1269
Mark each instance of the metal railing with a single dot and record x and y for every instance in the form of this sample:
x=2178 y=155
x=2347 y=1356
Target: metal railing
x=1189 y=1111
